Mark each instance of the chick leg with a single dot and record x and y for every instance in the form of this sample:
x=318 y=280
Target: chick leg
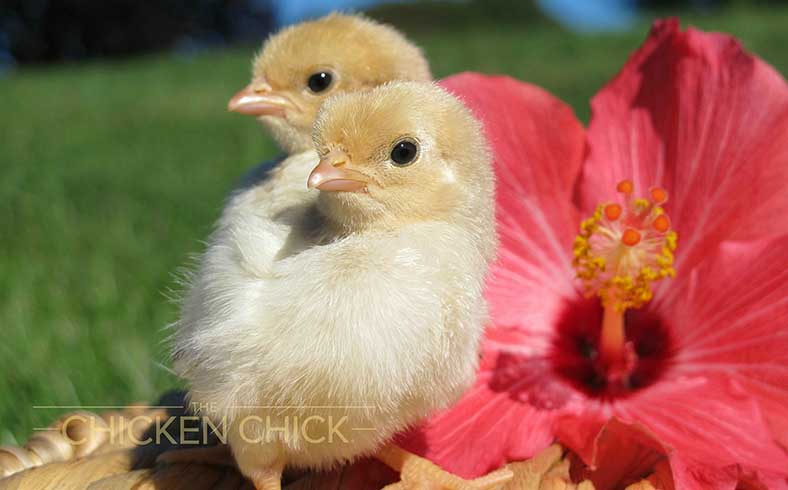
x=261 y=463
x=269 y=478
x=419 y=473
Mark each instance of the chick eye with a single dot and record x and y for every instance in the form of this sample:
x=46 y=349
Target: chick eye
x=404 y=153
x=320 y=81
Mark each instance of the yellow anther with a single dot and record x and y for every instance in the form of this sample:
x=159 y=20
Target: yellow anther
x=666 y=258
x=617 y=255
x=641 y=204
x=671 y=239
x=648 y=273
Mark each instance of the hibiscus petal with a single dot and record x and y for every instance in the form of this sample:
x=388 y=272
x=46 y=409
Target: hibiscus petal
x=763 y=481
x=709 y=422
x=698 y=477
x=538 y=146
x=624 y=453
x=733 y=314
x=620 y=455
x=694 y=113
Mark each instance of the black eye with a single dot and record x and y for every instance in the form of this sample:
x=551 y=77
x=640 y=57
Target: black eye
x=404 y=153
x=319 y=81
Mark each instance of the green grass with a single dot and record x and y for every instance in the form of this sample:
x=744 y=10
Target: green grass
x=112 y=173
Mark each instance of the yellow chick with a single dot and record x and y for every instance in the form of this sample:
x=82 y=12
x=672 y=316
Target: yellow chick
x=302 y=65
x=315 y=337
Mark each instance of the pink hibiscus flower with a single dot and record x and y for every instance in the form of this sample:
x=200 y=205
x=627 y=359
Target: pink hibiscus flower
x=640 y=354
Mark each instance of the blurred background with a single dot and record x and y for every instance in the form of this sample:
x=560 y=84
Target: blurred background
x=116 y=152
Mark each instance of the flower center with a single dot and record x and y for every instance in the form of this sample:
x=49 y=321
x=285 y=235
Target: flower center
x=575 y=354
x=621 y=250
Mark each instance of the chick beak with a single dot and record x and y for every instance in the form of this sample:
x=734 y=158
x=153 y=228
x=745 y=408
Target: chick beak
x=258 y=99
x=332 y=175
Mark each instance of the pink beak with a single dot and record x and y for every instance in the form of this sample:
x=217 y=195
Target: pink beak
x=332 y=176
x=258 y=99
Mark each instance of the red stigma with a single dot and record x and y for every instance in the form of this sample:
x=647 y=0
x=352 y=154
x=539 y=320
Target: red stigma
x=630 y=237
x=625 y=187
x=613 y=211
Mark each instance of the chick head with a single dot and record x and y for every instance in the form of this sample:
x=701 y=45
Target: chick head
x=299 y=67
x=400 y=153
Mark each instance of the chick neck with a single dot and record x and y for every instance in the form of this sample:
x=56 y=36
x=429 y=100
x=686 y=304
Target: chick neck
x=342 y=227
x=345 y=215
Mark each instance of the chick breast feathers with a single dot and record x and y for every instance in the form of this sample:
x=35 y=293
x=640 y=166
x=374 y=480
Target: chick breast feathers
x=379 y=328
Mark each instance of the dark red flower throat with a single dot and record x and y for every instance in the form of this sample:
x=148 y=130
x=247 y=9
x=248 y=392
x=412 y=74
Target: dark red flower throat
x=575 y=353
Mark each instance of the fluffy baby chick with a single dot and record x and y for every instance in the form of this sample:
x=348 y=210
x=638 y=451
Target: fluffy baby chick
x=317 y=336
x=302 y=65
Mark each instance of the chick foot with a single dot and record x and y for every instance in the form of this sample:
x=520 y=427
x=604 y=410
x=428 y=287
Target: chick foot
x=219 y=455
x=422 y=474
